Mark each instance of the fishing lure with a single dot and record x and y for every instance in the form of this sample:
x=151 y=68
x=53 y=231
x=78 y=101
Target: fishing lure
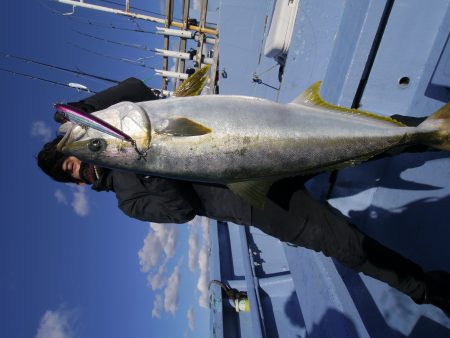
x=86 y=120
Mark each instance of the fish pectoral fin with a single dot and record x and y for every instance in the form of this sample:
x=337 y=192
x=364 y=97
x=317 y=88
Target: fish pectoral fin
x=311 y=97
x=254 y=192
x=182 y=126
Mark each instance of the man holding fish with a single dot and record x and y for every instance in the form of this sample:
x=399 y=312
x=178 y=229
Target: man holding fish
x=242 y=160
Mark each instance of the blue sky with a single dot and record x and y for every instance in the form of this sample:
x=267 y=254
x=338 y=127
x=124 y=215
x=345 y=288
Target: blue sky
x=70 y=262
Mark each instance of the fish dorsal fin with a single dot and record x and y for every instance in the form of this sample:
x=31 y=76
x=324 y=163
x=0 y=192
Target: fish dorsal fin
x=194 y=84
x=182 y=126
x=252 y=191
x=311 y=97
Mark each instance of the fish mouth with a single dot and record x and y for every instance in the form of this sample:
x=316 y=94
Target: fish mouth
x=127 y=117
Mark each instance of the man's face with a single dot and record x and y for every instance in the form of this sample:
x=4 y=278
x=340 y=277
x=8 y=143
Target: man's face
x=71 y=166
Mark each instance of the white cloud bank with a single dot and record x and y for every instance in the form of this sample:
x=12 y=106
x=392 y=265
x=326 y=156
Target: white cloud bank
x=161 y=239
x=193 y=248
x=56 y=324
x=171 y=291
x=203 y=263
x=157 y=306
x=191 y=318
x=40 y=129
x=159 y=248
x=60 y=197
x=80 y=201
x=158 y=280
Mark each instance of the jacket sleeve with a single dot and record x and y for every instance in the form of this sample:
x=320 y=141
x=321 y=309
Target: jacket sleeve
x=131 y=89
x=155 y=199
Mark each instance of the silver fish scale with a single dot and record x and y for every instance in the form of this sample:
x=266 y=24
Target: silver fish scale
x=259 y=138
x=249 y=138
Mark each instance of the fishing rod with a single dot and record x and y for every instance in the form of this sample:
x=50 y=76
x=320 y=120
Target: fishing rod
x=89 y=22
x=133 y=62
x=77 y=87
x=131 y=45
x=77 y=72
x=133 y=7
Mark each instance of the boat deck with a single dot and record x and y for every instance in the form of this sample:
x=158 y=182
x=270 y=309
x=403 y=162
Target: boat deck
x=368 y=55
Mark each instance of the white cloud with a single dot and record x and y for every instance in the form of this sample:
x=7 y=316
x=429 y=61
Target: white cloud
x=191 y=318
x=205 y=229
x=60 y=197
x=171 y=291
x=56 y=324
x=203 y=261
x=202 y=283
x=161 y=239
x=167 y=234
x=80 y=202
x=157 y=281
x=40 y=129
x=150 y=253
x=193 y=248
x=157 y=306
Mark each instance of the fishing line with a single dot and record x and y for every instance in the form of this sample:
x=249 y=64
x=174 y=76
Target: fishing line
x=77 y=72
x=131 y=45
x=133 y=62
x=32 y=77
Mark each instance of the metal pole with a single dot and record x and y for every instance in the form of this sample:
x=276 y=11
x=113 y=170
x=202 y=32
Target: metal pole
x=137 y=16
x=180 y=55
x=173 y=54
x=201 y=35
x=183 y=40
x=169 y=16
x=183 y=34
x=212 y=85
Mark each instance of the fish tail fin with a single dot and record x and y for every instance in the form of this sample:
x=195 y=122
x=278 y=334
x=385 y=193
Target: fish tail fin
x=440 y=122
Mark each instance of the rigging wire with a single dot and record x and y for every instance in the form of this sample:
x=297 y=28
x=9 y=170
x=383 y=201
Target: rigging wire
x=77 y=72
x=32 y=77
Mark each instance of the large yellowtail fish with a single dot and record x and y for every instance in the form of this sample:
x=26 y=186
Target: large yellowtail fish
x=245 y=143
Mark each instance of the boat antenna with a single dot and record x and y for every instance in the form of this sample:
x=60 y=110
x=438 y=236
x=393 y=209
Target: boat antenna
x=77 y=72
x=78 y=88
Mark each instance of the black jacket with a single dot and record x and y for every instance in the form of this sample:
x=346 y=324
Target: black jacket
x=131 y=89
x=162 y=200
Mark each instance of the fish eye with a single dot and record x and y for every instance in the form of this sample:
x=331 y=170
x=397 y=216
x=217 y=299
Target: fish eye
x=96 y=145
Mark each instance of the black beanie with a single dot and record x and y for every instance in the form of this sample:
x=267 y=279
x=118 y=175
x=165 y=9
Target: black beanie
x=50 y=161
